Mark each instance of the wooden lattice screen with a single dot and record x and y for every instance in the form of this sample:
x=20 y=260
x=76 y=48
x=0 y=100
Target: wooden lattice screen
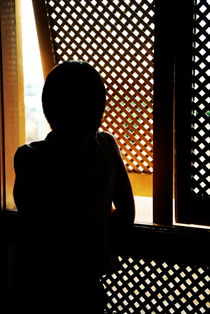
x=117 y=38
x=200 y=105
x=155 y=286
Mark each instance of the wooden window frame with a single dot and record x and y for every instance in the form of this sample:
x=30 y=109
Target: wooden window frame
x=190 y=209
x=48 y=61
x=171 y=101
x=163 y=115
x=12 y=118
x=163 y=105
x=172 y=117
x=170 y=244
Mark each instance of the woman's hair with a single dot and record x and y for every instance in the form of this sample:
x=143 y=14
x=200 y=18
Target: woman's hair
x=74 y=97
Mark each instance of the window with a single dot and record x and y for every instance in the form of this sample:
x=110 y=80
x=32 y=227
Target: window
x=157 y=106
x=14 y=129
x=192 y=117
x=170 y=271
x=36 y=126
x=200 y=121
x=118 y=40
x=12 y=117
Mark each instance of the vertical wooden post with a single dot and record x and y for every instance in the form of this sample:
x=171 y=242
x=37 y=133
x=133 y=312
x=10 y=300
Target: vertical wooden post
x=163 y=114
x=44 y=37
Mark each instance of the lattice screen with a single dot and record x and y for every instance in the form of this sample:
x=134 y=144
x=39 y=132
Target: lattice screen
x=150 y=286
x=201 y=100
x=117 y=38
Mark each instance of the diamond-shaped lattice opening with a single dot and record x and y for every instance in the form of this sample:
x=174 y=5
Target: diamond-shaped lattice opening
x=201 y=100
x=117 y=38
x=143 y=286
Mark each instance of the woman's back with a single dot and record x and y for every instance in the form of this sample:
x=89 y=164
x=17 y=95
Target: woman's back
x=65 y=187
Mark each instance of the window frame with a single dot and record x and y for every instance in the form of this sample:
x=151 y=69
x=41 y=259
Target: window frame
x=163 y=119
x=12 y=133
x=172 y=99
x=163 y=114
x=48 y=62
x=2 y=144
x=189 y=209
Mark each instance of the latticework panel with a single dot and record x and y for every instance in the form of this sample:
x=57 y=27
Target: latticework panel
x=201 y=99
x=117 y=38
x=150 y=286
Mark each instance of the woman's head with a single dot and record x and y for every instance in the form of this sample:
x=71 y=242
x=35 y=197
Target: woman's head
x=74 y=97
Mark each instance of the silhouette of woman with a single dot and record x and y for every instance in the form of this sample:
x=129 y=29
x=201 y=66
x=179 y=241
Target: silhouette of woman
x=64 y=190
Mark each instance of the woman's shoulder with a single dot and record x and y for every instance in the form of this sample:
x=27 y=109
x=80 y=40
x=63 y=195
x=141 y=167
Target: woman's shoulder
x=109 y=144
x=28 y=152
x=107 y=137
x=32 y=147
